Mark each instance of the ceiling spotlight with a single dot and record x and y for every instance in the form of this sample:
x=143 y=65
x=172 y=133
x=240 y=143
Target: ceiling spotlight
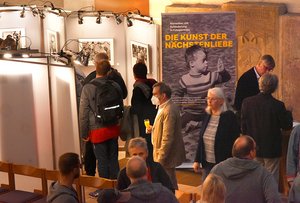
x=129 y=22
x=98 y=19
x=22 y=14
x=42 y=15
x=151 y=21
x=118 y=19
x=80 y=18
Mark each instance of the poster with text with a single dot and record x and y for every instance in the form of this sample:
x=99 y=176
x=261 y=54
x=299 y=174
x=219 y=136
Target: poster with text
x=198 y=53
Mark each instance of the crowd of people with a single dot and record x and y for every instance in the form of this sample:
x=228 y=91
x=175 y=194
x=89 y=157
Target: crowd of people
x=239 y=146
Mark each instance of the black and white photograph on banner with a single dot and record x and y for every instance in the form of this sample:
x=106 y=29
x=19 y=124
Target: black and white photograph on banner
x=198 y=53
x=94 y=46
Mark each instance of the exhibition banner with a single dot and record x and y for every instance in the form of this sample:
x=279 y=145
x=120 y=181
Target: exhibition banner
x=198 y=53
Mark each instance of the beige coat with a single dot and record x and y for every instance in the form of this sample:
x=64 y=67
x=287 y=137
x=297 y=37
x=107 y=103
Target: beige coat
x=168 y=147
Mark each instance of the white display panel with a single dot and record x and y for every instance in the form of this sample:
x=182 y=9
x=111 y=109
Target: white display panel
x=25 y=122
x=64 y=110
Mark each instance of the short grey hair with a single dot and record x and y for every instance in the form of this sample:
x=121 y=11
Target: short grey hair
x=138 y=142
x=218 y=91
x=269 y=61
x=268 y=83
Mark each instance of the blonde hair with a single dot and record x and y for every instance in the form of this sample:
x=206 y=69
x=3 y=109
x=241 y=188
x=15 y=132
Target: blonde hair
x=213 y=189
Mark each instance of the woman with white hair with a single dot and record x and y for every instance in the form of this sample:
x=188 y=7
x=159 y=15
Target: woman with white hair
x=218 y=133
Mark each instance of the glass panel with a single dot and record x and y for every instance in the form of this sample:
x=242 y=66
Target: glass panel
x=64 y=110
x=25 y=124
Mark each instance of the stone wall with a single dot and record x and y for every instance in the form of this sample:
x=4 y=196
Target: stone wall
x=290 y=61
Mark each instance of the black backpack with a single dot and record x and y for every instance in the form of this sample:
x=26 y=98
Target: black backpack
x=109 y=102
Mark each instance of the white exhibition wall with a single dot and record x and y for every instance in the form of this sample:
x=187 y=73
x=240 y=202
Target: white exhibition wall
x=32 y=25
x=38 y=112
x=25 y=114
x=54 y=25
x=122 y=35
x=145 y=33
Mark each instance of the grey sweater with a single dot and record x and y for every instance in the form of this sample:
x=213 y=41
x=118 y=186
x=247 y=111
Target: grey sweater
x=61 y=194
x=247 y=181
x=147 y=192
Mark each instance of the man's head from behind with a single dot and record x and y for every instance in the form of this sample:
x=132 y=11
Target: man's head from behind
x=138 y=147
x=268 y=83
x=102 y=68
x=100 y=57
x=244 y=147
x=265 y=64
x=69 y=165
x=136 y=169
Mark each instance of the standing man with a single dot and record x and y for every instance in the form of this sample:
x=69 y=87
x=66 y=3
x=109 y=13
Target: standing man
x=168 y=147
x=248 y=83
x=263 y=118
x=89 y=157
x=104 y=137
x=69 y=170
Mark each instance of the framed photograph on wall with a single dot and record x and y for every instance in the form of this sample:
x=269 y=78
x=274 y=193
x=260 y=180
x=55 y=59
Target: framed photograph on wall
x=140 y=53
x=95 y=46
x=52 y=41
x=16 y=34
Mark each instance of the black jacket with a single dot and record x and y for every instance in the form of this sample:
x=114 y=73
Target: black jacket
x=247 y=86
x=227 y=132
x=263 y=117
x=157 y=172
x=114 y=75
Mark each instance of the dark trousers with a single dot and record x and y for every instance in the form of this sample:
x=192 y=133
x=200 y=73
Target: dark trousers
x=89 y=159
x=107 y=156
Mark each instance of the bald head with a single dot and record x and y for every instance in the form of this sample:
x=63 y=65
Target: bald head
x=136 y=168
x=243 y=147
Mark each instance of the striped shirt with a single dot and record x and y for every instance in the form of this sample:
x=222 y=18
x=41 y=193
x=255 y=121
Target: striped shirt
x=209 y=138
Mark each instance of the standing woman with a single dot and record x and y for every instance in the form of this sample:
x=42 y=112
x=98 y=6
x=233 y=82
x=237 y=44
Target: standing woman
x=218 y=133
x=141 y=104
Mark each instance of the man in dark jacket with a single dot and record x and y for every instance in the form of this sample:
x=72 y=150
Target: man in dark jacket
x=63 y=191
x=142 y=190
x=141 y=104
x=113 y=74
x=155 y=172
x=245 y=179
x=247 y=85
x=103 y=137
x=263 y=118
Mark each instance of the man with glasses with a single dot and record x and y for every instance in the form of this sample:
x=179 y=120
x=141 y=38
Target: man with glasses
x=248 y=83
